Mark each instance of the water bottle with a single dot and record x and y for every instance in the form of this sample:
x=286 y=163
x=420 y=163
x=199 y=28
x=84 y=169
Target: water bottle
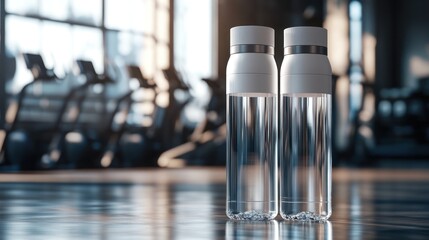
x=252 y=125
x=305 y=126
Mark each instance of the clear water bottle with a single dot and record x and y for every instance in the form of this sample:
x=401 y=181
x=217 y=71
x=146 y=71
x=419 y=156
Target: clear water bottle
x=305 y=126
x=252 y=125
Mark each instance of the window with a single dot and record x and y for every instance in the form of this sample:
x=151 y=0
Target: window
x=22 y=6
x=88 y=44
x=135 y=32
x=126 y=14
x=194 y=34
x=83 y=11
x=86 y=11
x=132 y=32
x=54 y=9
x=138 y=34
x=18 y=41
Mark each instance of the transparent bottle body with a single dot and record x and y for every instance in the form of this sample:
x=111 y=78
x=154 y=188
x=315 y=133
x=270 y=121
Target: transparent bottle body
x=305 y=156
x=252 y=156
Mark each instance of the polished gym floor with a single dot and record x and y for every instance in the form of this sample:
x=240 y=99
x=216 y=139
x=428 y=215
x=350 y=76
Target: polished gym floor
x=190 y=204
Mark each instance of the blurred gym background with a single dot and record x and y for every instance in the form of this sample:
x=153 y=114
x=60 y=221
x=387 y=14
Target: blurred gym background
x=141 y=83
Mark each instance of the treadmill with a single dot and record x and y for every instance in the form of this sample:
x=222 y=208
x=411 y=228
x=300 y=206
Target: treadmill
x=15 y=138
x=68 y=146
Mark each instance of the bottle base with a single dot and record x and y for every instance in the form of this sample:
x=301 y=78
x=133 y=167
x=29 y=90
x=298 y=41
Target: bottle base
x=252 y=215
x=305 y=216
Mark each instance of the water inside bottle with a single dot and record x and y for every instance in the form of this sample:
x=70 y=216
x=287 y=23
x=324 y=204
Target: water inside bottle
x=305 y=156
x=252 y=156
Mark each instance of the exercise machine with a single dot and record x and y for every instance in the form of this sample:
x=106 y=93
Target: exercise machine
x=71 y=145
x=18 y=146
x=164 y=131
x=206 y=145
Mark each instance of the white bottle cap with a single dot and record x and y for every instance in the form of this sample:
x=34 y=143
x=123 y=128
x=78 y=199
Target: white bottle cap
x=312 y=36
x=252 y=35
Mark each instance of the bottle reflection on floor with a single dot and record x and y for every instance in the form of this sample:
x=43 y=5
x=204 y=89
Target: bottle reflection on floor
x=251 y=230
x=295 y=230
x=306 y=230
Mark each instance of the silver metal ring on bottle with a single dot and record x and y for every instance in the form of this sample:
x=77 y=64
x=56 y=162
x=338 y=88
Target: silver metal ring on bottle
x=252 y=48
x=305 y=49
